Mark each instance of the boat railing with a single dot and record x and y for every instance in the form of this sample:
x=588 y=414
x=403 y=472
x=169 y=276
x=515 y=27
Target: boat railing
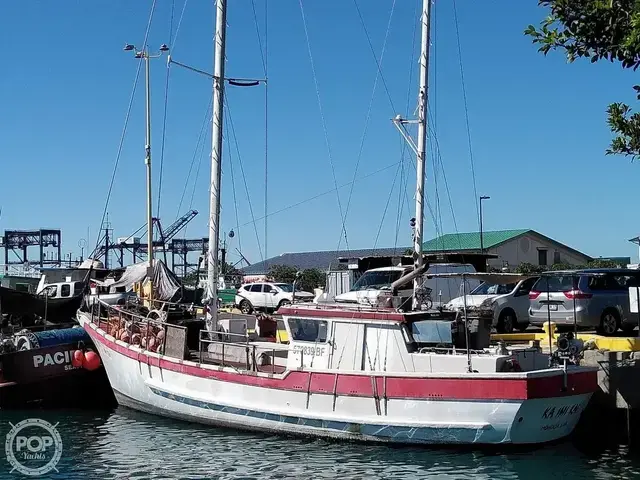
x=153 y=334
x=238 y=351
x=451 y=350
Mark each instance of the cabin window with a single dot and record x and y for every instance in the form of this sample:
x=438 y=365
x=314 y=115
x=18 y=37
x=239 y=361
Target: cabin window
x=50 y=291
x=306 y=330
x=65 y=290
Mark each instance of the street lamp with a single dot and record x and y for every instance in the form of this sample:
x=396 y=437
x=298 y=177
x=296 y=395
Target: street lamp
x=483 y=197
x=144 y=53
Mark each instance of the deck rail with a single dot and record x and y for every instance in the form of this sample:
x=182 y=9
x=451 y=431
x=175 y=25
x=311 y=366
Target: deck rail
x=239 y=351
x=131 y=327
x=154 y=334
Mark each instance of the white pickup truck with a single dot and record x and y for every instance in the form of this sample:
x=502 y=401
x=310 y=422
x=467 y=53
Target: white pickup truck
x=369 y=286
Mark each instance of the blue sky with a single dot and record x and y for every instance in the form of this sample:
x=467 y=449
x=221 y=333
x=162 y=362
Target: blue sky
x=538 y=125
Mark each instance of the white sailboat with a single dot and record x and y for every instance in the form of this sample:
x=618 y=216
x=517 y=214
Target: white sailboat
x=347 y=372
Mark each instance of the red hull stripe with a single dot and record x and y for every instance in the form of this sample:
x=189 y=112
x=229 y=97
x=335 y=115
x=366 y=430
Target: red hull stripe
x=393 y=387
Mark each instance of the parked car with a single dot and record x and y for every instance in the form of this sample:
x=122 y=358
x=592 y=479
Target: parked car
x=599 y=298
x=268 y=296
x=509 y=303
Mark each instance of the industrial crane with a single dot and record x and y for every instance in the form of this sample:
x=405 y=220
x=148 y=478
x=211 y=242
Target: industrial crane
x=132 y=243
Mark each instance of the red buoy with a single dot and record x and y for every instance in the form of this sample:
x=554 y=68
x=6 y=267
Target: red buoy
x=78 y=358
x=91 y=360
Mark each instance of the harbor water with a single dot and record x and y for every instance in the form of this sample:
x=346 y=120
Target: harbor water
x=124 y=444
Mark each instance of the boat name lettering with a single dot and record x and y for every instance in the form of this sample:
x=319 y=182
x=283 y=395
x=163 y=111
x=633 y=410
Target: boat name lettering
x=57 y=358
x=553 y=412
x=309 y=350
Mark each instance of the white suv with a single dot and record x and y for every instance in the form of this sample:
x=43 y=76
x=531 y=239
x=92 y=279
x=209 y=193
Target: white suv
x=509 y=303
x=268 y=296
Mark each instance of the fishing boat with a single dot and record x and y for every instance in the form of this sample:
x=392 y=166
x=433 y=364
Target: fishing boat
x=383 y=372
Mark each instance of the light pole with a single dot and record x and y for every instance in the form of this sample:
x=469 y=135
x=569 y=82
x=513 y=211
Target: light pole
x=147 y=148
x=483 y=197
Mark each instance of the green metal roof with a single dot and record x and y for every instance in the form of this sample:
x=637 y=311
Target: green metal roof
x=470 y=240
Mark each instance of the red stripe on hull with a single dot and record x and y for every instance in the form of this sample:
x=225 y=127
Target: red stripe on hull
x=393 y=387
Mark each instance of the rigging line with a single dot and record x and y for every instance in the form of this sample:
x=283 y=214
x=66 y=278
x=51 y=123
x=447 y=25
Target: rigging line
x=201 y=155
x=373 y=52
x=324 y=124
x=164 y=113
x=255 y=21
x=233 y=186
x=244 y=177
x=446 y=184
x=266 y=122
x=369 y=108
x=406 y=196
x=438 y=226
x=466 y=112
x=403 y=143
x=327 y=192
x=400 y=210
x=264 y=58
x=172 y=42
x=386 y=207
x=205 y=122
x=126 y=121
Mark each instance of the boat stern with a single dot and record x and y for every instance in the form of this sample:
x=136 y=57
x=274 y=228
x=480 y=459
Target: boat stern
x=554 y=404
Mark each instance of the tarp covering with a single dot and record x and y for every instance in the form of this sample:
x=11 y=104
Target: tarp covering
x=55 y=310
x=166 y=285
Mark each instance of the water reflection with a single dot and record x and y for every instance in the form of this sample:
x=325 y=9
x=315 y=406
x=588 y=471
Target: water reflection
x=128 y=444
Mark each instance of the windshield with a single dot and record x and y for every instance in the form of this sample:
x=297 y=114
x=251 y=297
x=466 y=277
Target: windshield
x=493 y=289
x=377 y=279
x=555 y=283
x=285 y=287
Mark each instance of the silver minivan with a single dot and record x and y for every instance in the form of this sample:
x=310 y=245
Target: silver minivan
x=599 y=297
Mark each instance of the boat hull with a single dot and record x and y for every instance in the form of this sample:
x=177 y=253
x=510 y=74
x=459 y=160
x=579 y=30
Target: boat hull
x=184 y=390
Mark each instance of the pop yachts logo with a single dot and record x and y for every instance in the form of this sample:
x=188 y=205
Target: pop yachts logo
x=33 y=447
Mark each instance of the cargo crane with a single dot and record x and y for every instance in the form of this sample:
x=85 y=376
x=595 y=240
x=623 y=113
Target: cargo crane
x=19 y=241
x=132 y=242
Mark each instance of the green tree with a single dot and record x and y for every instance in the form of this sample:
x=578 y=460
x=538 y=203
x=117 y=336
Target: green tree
x=600 y=263
x=229 y=270
x=598 y=30
x=282 y=273
x=528 y=268
x=309 y=279
x=312 y=278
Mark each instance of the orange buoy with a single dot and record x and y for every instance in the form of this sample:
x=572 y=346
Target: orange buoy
x=91 y=360
x=78 y=358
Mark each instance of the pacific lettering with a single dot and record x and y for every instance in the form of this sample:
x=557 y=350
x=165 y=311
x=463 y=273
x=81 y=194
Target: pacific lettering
x=57 y=358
